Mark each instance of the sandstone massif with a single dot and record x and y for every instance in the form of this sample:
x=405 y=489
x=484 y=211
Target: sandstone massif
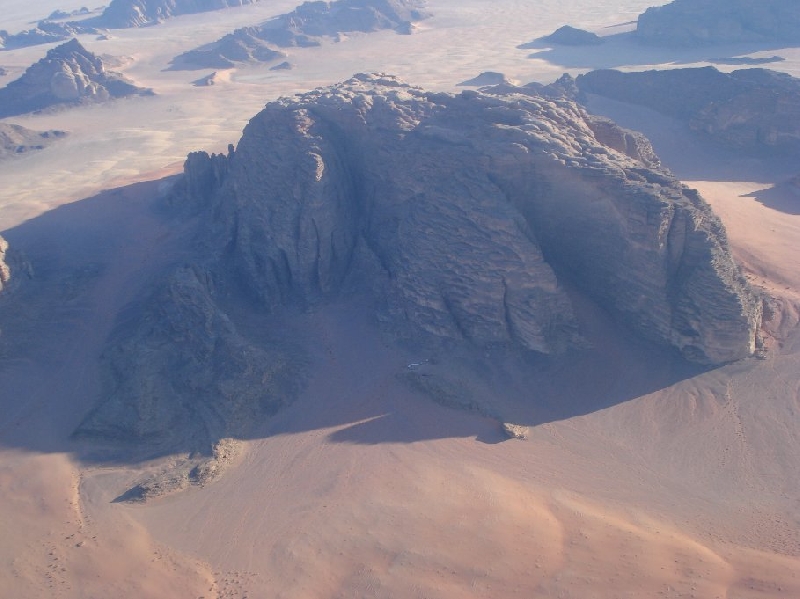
x=308 y=25
x=68 y=75
x=747 y=108
x=703 y=22
x=461 y=219
x=119 y=14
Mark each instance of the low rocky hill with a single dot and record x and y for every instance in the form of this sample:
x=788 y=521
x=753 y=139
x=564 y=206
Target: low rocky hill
x=68 y=75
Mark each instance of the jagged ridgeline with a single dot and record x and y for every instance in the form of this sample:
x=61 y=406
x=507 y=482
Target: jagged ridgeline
x=462 y=215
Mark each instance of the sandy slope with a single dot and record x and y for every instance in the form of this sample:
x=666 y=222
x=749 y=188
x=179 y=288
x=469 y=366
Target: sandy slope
x=362 y=489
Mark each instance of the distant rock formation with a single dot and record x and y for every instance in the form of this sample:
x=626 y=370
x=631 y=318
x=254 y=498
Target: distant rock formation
x=206 y=81
x=570 y=36
x=748 y=108
x=699 y=22
x=283 y=66
x=16 y=139
x=241 y=46
x=120 y=14
x=68 y=75
x=45 y=32
x=123 y=14
x=485 y=79
x=308 y=25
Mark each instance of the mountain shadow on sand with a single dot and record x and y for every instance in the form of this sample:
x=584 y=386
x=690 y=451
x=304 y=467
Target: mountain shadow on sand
x=88 y=264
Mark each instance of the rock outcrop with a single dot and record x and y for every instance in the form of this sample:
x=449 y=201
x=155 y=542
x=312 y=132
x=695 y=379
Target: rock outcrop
x=181 y=373
x=485 y=79
x=571 y=36
x=68 y=75
x=702 y=22
x=308 y=25
x=5 y=271
x=748 y=108
x=16 y=139
x=473 y=205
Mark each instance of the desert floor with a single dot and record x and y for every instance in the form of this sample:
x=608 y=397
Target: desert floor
x=361 y=488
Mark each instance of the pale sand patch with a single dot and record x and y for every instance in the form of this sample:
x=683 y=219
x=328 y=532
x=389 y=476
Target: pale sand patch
x=52 y=548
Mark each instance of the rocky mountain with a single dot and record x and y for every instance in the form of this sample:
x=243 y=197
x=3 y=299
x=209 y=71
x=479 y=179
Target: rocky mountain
x=748 y=108
x=16 y=139
x=120 y=14
x=698 y=22
x=308 y=25
x=68 y=75
x=461 y=219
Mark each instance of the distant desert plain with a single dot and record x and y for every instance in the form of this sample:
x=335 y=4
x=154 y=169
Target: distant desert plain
x=619 y=469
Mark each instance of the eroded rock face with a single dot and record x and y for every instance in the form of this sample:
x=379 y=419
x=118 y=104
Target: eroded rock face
x=308 y=25
x=699 y=22
x=68 y=74
x=181 y=373
x=747 y=108
x=474 y=205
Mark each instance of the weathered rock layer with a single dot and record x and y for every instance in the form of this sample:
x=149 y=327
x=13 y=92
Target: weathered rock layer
x=474 y=205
